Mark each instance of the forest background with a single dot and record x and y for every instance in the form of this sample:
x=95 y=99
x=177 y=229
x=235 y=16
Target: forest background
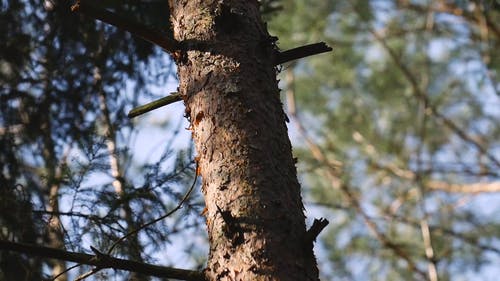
x=396 y=134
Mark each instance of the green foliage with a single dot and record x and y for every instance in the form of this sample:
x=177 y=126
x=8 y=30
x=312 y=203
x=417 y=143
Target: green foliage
x=405 y=100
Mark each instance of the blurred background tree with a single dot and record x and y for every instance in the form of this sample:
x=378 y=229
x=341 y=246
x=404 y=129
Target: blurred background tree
x=400 y=135
x=396 y=133
x=72 y=172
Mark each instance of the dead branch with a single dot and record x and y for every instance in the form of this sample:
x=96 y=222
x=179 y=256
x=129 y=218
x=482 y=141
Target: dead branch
x=107 y=262
x=152 y=35
x=302 y=52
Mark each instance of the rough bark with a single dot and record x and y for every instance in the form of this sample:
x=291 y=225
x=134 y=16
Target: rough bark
x=227 y=79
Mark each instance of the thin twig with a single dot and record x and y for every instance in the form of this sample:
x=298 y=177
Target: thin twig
x=65 y=271
x=173 y=97
x=424 y=224
x=88 y=274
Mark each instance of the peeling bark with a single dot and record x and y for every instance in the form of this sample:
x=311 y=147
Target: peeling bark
x=227 y=80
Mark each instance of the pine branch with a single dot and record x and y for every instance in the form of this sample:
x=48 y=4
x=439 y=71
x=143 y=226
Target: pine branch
x=302 y=52
x=152 y=35
x=100 y=262
x=282 y=57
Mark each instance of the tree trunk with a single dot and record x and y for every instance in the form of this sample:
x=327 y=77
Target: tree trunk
x=135 y=248
x=55 y=234
x=227 y=79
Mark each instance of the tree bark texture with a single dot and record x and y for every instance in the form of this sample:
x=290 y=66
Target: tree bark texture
x=227 y=79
